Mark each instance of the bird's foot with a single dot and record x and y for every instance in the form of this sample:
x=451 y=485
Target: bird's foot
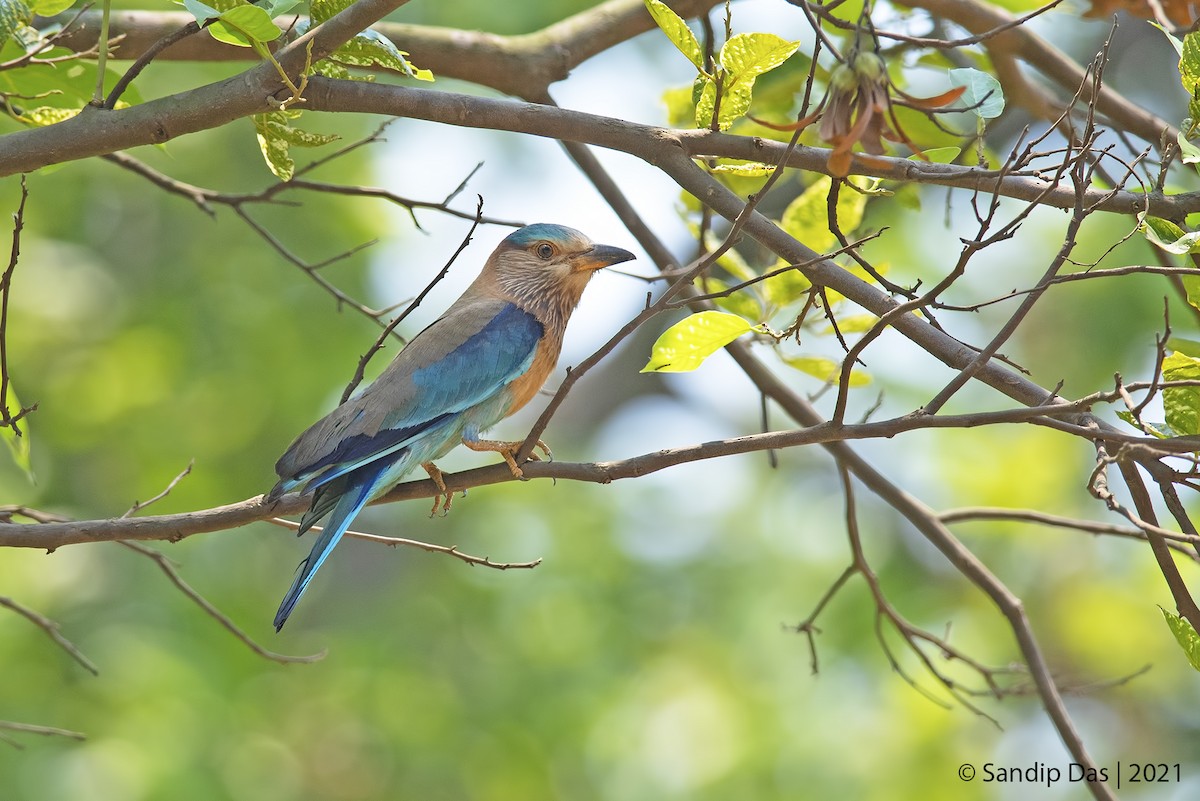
x=444 y=498
x=509 y=451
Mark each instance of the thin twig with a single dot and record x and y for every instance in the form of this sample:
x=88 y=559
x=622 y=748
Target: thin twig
x=448 y=550
x=139 y=505
x=7 y=416
x=165 y=565
x=52 y=631
x=33 y=728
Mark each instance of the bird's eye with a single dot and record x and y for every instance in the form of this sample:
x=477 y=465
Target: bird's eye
x=545 y=251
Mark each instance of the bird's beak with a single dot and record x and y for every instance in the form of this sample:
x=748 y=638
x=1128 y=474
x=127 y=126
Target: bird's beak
x=601 y=256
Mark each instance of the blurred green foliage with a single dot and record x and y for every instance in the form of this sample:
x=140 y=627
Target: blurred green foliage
x=648 y=657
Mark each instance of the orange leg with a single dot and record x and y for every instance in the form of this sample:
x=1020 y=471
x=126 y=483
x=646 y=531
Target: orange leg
x=444 y=497
x=508 y=450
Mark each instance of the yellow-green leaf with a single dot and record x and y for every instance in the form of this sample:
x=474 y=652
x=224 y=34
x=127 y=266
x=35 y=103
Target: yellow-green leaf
x=731 y=261
x=684 y=346
x=853 y=324
x=1181 y=405
x=827 y=370
x=677 y=31
x=680 y=107
x=939 y=155
x=1185 y=635
x=744 y=302
x=753 y=169
x=787 y=287
x=706 y=101
x=807 y=218
x=47 y=115
x=745 y=57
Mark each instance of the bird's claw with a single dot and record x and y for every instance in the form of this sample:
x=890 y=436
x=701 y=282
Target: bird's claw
x=444 y=497
x=509 y=451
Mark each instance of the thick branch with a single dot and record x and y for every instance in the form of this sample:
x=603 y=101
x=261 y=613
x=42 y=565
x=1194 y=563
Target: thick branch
x=52 y=535
x=517 y=65
x=96 y=133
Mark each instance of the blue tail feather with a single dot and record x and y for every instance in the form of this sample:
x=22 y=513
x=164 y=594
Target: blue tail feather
x=359 y=488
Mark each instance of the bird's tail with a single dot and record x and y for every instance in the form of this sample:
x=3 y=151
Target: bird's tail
x=358 y=491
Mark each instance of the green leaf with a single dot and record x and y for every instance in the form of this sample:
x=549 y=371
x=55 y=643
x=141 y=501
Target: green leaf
x=276 y=136
x=14 y=15
x=1189 y=153
x=806 y=218
x=1182 y=404
x=677 y=31
x=732 y=262
x=18 y=444
x=1160 y=430
x=1188 y=347
x=65 y=86
x=279 y=7
x=684 y=346
x=940 y=155
x=368 y=48
x=827 y=370
x=48 y=8
x=1168 y=236
x=743 y=303
x=745 y=57
x=681 y=109
x=245 y=26
x=982 y=89
x=371 y=48
x=1191 y=285
x=201 y=12
x=1185 y=635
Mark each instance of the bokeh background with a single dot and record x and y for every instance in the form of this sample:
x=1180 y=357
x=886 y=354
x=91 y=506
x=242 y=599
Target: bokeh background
x=649 y=656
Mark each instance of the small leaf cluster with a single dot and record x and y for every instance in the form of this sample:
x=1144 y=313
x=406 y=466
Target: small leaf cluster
x=40 y=82
x=772 y=294
x=723 y=92
x=237 y=22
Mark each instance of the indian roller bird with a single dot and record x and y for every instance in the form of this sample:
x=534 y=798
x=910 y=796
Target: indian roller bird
x=482 y=360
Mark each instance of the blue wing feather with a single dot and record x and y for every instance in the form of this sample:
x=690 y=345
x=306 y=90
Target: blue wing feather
x=499 y=352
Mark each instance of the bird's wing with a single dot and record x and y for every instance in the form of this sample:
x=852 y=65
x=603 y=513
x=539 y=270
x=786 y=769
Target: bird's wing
x=465 y=357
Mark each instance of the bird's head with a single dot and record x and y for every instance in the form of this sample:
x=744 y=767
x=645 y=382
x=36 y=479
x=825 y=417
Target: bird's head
x=544 y=265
